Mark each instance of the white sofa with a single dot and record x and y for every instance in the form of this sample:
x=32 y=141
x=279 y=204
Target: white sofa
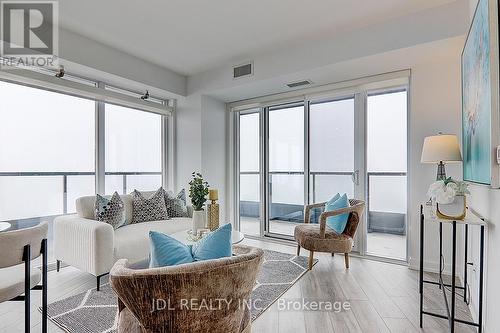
x=94 y=246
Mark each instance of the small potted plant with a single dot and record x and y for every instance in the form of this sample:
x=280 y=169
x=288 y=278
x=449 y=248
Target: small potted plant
x=450 y=197
x=198 y=191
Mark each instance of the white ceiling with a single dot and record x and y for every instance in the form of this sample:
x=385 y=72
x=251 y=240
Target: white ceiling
x=194 y=36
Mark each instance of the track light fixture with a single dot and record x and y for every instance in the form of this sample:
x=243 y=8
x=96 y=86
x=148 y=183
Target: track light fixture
x=61 y=72
x=145 y=96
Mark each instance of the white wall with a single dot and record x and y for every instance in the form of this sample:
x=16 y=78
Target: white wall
x=88 y=58
x=435 y=106
x=214 y=147
x=188 y=139
x=202 y=144
x=485 y=202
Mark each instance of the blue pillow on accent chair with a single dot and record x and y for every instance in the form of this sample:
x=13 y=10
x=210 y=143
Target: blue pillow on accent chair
x=333 y=199
x=337 y=222
x=168 y=251
x=316 y=212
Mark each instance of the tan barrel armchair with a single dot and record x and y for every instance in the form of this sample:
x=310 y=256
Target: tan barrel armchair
x=321 y=238
x=204 y=296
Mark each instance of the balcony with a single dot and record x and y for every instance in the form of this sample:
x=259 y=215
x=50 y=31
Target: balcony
x=386 y=224
x=52 y=194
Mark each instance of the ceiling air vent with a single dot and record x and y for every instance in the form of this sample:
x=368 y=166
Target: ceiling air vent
x=298 y=83
x=242 y=70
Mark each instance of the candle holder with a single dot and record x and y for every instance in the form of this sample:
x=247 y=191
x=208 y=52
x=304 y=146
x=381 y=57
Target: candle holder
x=213 y=210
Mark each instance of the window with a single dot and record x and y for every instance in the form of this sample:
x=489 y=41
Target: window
x=48 y=152
x=386 y=167
x=331 y=148
x=133 y=150
x=47 y=155
x=352 y=140
x=249 y=152
x=286 y=167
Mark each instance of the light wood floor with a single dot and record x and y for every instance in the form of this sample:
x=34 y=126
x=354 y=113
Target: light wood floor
x=383 y=298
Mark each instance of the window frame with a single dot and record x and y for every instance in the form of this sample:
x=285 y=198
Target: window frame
x=167 y=127
x=360 y=89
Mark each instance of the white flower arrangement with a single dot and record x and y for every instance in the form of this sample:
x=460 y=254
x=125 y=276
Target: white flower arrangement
x=445 y=191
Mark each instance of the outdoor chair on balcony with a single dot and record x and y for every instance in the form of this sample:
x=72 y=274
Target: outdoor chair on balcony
x=321 y=238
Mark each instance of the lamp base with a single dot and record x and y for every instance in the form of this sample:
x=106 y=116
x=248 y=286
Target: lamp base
x=441 y=172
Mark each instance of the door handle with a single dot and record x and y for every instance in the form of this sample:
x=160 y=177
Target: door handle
x=355 y=177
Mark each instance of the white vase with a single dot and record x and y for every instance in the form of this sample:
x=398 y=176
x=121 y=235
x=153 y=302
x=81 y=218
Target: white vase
x=456 y=210
x=198 y=221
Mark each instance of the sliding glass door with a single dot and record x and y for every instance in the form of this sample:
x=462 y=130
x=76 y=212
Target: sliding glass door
x=285 y=174
x=386 y=115
x=307 y=151
x=249 y=173
x=331 y=149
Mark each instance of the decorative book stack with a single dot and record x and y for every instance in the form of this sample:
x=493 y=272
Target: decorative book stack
x=213 y=210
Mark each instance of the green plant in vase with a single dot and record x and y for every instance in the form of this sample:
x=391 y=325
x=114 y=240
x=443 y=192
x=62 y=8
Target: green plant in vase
x=198 y=191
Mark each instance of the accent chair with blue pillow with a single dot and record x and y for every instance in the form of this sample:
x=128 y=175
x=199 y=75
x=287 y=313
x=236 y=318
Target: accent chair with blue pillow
x=230 y=278
x=336 y=229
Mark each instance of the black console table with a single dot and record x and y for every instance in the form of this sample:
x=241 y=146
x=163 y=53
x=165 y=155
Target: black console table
x=471 y=219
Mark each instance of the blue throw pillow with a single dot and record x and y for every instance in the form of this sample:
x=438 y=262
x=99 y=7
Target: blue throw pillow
x=215 y=245
x=337 y=222
x=333 y=199
x=316 y=212
x=168 y=251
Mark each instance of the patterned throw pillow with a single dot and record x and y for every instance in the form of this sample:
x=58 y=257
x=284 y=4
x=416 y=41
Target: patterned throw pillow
x=111 y=211
x=152 y=209
x=176 y=206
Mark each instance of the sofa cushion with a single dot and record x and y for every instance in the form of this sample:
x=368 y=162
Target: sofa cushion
x=132 y=241
x=148 y=209
x=176 y=205
x=85 y=206
x=111 y=211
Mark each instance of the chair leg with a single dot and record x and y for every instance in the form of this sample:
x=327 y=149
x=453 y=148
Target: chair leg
x=346 y=258
x=58 y=265
x=44 y=285
x=298 y=250
x=27 y=287
x=99 y=281
x=311 y=259
x=333 y=254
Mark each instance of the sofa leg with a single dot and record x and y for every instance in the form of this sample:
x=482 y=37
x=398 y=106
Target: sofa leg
x=58 y=265
x=298 y=250
x=311 y=259
x=333 y=254
x=346 y=256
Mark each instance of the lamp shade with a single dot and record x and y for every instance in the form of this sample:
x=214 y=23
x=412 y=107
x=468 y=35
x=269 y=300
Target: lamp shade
x=441 y=148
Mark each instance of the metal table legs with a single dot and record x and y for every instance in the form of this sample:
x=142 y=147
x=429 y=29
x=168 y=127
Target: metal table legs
x=451 y=308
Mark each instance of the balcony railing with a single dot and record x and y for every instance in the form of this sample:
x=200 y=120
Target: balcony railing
x=64 y=179
x=378 y=221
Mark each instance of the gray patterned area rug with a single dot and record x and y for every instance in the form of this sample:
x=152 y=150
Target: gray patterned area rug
x=96 y=311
